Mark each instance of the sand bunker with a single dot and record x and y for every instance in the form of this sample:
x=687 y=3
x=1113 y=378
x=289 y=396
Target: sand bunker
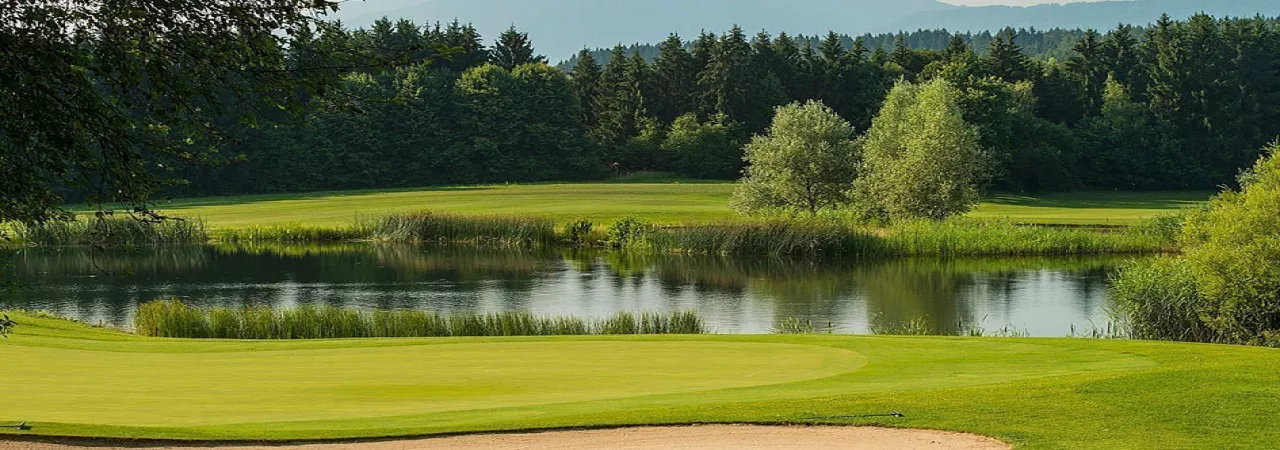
x=646 y=438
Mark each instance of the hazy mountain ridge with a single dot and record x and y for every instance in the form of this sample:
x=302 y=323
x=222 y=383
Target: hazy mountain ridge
x=561 y=27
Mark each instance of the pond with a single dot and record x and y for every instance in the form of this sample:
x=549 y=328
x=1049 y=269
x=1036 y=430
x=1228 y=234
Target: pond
x=1036 y=296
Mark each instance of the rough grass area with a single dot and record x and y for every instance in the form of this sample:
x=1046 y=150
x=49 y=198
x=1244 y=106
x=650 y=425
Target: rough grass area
x=663 y=203
x=68 y=379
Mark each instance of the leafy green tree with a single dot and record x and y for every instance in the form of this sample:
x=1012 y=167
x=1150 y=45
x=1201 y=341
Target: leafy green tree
x=109 y=98
x=920 y=159
x=805 y=163
x=710 y=150
x=513 y=49
x=1127 y=147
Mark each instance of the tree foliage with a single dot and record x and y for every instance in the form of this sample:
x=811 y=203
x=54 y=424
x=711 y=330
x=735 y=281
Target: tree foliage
x=805 y=163
x=921 y=159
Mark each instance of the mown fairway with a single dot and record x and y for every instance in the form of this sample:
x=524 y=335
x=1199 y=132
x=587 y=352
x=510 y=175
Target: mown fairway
x=67 y=379
x=665 y=203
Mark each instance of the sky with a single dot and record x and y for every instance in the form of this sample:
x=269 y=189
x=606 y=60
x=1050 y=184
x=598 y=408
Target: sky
x=1009 y=2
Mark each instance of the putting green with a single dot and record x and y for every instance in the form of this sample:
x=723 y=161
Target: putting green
x=199 y=388
x=67 y=379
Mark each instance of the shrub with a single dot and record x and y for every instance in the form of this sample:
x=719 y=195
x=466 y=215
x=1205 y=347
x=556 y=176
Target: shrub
x=578 y=232
x=628 y=232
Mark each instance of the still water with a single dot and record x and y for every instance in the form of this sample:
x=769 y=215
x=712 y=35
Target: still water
x=1039 y=296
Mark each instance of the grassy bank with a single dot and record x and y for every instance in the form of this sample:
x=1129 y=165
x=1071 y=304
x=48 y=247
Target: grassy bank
x=662 y=203
x=173 y=319
x=68 y=379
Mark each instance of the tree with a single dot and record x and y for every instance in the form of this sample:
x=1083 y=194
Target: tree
x=1088 y=66
x=1006 y=60
x=709 y=150
x=676 y=80
x=108 y=98
x=513 y=49
x=733 y=86
x=1123 y=60
x=620 y=102
x=920 y=159
x=586 y=79
x=805 y=163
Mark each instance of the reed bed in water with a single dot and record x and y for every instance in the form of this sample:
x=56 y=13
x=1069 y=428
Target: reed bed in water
x=484 y=230
x=289 y=234
x=174 y=319
x=113 y=230
x=772 y=238
x=968 y=237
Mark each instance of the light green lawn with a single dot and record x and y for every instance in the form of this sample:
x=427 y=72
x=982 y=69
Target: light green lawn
x=66 y=379
x=603 y=202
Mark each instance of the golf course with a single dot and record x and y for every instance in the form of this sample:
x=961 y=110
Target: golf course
x=667 y=203
x=67 y=379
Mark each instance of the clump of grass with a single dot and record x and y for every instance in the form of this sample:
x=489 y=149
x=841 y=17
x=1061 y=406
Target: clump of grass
x=114 y=230
x=796 y=325
x=289 y=234
x=174 y=319
x=772 y=238
x=920 y=326
x=969 y=237
x=449 y=228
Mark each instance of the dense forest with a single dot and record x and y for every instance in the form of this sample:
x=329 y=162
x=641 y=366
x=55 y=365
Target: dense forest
x=1178 y=104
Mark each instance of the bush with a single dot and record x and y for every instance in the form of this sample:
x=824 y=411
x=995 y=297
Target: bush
x=1157 y=299
x=1228 y=279
x=578 y=232
x=628 y=232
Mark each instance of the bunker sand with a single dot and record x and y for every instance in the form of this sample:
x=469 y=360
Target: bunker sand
x=644 y=438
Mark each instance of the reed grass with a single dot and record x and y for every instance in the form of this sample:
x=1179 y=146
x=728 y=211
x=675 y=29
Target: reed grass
x=509 y=231
x=1159 y=299
x=290 y=234
x=175 y=319
x=972 y=237
x=113 y=230
x=771 y=238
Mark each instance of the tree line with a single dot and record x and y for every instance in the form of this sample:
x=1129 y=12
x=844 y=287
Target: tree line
x=1173 y=105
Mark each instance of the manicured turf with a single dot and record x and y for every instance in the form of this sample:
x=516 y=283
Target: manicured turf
x=603 y=202
x=67 y=379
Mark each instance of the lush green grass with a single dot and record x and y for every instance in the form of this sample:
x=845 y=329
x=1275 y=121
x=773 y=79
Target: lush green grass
x=1036 y=393
x=1089 y=208
x=663 y=203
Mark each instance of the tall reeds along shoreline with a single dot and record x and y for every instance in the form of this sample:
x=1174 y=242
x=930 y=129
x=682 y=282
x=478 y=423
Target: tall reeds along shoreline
x=114 y=230
x=174 y=319
x=817 y=238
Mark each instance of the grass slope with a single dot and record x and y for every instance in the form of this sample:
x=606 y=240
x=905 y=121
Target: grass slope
x=602 y=202
x=67 y=379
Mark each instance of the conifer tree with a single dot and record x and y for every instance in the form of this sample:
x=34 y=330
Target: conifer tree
x=675 y=80
x=513 y=49
x=1089 y=70
x=1006 y=60
x=586 y=81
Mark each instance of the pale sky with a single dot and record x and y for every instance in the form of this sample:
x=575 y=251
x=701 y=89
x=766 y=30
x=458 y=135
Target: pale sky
x=1010 y=2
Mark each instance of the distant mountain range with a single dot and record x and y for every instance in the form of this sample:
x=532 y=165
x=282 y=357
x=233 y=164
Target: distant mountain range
x=560 y=28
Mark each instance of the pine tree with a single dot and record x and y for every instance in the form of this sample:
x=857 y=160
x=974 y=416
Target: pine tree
x=513 y=49
x=1089 y=69
x=675 y=79
x=1006 y=60
x=1123 y=60
x=957 y=49
x=586 y=80
x=732 y=86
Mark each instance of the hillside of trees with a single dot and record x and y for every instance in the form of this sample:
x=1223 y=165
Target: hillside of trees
x=1179 y=104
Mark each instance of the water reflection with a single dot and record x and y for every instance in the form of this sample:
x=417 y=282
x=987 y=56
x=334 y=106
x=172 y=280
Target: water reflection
x=1044 y=297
